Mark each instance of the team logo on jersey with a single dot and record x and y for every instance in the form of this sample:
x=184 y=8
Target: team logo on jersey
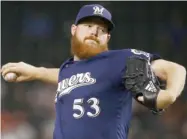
x=68 y=84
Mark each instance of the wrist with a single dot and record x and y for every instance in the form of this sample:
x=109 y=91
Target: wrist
x=39 y=71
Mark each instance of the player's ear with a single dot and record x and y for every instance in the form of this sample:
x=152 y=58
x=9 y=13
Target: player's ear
x=73 y=29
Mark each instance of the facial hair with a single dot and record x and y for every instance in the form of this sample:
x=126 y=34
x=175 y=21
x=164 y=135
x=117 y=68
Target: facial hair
x=85 y=51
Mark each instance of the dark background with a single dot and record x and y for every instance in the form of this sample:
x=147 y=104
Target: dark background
x=38 y=33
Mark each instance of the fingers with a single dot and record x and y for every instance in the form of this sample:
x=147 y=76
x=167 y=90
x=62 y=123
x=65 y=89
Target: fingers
x=10 y=67
x=9 y=70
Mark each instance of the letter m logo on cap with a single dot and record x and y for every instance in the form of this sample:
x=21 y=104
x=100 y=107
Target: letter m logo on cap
x=98 y=10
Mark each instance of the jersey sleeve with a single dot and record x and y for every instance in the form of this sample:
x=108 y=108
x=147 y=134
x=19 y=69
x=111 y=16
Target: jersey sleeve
x=61 y=68
x=59 y=74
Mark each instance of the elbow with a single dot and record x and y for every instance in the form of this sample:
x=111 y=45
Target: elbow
x=183 y=70
x=180 y=72
x=176 y=68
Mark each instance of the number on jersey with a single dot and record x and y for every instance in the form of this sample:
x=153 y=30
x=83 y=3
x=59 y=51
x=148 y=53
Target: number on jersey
x=94 y=104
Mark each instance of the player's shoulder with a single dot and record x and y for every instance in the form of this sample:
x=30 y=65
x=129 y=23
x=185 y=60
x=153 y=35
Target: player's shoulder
x=118 y=55
x=128 y=52
x=124 y=53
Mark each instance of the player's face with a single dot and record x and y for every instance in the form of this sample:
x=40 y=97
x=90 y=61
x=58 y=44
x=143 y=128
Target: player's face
x=89 y=38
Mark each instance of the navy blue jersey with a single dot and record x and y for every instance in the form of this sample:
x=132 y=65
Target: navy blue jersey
x=91 y=101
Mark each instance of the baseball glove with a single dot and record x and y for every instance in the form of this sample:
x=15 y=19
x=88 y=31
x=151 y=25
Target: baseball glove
x=140 y=80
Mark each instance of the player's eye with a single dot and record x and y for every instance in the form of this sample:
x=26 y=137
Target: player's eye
x=88 y=25
x=103 y=30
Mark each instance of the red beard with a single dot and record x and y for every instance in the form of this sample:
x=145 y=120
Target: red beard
x=85 y=51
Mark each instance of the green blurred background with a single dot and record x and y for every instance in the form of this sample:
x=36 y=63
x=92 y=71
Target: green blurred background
x=38 y=33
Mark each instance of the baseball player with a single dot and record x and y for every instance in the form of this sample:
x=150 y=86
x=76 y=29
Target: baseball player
x=96 y=85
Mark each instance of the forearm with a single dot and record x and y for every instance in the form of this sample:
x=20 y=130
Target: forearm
x=176 y=77
x=47 y=75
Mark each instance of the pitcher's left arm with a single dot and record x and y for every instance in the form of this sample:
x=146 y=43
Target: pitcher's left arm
x=141 y=79
x=175 y=75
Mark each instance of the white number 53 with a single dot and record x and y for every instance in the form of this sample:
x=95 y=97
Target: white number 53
x=94 y=104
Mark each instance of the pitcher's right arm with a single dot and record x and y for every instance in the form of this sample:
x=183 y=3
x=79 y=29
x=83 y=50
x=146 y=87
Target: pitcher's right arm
x=26 y=72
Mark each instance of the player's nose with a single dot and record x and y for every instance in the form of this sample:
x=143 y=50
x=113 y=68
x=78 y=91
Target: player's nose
x=94 y=31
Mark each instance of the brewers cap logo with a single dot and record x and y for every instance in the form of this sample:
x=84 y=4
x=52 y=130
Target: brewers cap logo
x=98 y=10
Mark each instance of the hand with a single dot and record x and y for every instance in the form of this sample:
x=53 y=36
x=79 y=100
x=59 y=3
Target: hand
x=24 y=71
x=164 y=99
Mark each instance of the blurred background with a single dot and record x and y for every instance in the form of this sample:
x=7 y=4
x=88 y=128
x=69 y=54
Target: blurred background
x=39 y=33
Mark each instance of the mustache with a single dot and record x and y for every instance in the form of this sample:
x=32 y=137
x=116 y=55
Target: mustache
x=92 y=38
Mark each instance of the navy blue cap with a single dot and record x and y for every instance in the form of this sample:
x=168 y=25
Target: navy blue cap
x=95 y=10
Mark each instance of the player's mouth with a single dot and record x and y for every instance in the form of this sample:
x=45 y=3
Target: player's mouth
x=92 y=42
